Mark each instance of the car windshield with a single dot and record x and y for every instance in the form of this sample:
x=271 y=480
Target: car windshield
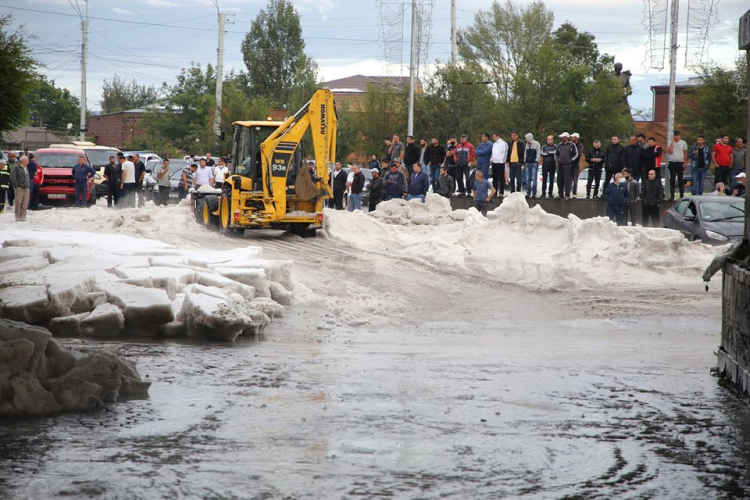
x=714 y=211
x=100 y=157
x=58 y=159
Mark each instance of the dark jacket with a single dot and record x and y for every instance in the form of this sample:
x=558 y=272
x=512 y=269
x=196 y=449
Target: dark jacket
x=358 y=183
x=520 y=148
x=613 y=157
x=338 y=180
x=140 y=168
x=632 y=158
x=634 y=190
x=373 y=164
x=434 y=155
x=31 y=167
x=19 y=179
x=112 y=172
x=411 y=155
x=693 y=155
x=595 y=153
x=652 y=158
x=4 y=177
x=464 y=153
x=376 y=188
x=445 y=186
x=419 y=183
x=82 y=173
x=548 y=155
x=653 y=192
x=394 y=183
x=616 y=194
x=566 y=154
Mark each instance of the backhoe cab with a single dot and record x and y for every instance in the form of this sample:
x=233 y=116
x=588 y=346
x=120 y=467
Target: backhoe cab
x=270 y=185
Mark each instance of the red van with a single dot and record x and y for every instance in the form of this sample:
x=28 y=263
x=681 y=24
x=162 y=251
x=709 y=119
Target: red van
x=58 y=184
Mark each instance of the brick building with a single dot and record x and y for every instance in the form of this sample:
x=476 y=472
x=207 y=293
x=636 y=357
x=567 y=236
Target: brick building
x=31 y=138
x=657 y=127
x=120 y=130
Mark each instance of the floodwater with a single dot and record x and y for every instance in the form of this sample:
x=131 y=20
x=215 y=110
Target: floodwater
x=461 y=390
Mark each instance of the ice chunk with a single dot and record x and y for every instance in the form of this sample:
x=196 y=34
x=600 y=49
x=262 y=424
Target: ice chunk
x=28 y=264
x=14 y=253
x=280 y=294
x=29 y=397
x=209 y=316
x=219 y=281
x=169 y=279
x=256 y=278
x=106 y=320
x=67 y=326
x=29 y=304
x=145 y=309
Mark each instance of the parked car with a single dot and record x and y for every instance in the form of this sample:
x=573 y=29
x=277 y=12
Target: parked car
x=715 y=220
x=58 y=184
x=146 y=156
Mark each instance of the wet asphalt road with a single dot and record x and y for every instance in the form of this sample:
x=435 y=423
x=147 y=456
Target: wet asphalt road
x=504 y=409
x=444 y=386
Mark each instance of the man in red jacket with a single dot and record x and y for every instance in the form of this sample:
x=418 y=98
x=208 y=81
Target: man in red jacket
x=464 y=155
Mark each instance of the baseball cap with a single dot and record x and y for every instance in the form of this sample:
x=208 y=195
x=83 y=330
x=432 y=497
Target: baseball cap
x=575 y=134
x=564 y=134
x=741 y=175
x=375 y=171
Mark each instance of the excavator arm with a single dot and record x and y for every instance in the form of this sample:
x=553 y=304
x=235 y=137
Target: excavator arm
x=277 y=152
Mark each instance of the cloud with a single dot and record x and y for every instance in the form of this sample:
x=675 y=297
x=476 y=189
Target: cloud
x=160 y=3
x=124 y=12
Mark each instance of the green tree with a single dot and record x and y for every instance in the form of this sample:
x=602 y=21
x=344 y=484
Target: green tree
x=274 y=54
x=544 y=81
x=118 y=95
x=51 y=106
x=186 y=121
x=715 y=108
x=457 y=100
x=383 y=113
x=18 y=67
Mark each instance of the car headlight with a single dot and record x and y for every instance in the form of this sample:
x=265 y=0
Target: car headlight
x=716 y=236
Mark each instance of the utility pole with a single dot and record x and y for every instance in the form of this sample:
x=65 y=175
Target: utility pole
x=744 y=44
x=672 y=73
x=219 y=71
x=84 y=43
x=454 y=34
x=412 y=67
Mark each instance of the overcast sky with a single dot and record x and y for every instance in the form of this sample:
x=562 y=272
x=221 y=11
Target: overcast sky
x=341 y=35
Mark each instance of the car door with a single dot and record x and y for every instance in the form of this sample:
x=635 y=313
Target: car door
x=689 y=224
x=673 y=219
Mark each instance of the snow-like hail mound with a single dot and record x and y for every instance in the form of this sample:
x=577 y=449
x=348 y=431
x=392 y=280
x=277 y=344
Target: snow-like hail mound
x=107 y=285
x=38 y=376
x=522 y=245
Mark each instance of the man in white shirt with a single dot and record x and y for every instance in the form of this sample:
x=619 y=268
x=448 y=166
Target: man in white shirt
x=676 y=158
x=202 y=175
x=220 y=173
x=497 y=161
x=127 y=181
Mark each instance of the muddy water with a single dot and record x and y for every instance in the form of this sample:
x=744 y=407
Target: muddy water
x=499 y=409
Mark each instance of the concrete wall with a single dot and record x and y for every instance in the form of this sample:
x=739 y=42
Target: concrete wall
x=583 y=209
x=734 y=353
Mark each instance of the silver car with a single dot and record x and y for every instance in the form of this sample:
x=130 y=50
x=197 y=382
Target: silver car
x=715 y=220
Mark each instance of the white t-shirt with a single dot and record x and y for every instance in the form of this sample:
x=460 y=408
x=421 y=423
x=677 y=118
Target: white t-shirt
x=220 y=173
x=202 y=176
x=678 y=151
x=128 y=172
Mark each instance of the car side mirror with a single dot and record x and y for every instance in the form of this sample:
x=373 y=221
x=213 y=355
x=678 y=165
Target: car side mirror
x=689 y=217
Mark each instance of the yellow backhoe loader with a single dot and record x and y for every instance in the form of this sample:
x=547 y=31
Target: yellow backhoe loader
x=270 y=185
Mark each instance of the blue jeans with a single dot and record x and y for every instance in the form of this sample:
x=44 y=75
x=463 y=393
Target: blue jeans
x=699 y=178
x=548 y=175
x=415 y=197
x=355 y=202
x=486 y=171
x=532 y=171
x=81 y=192
x=390 y=196
x=434 y=174
x=515 y=177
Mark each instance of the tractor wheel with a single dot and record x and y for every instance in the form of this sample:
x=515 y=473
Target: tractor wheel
x=210 y=205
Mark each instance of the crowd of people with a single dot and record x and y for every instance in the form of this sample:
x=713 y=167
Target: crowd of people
x=631 y=173
x=20 y=179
